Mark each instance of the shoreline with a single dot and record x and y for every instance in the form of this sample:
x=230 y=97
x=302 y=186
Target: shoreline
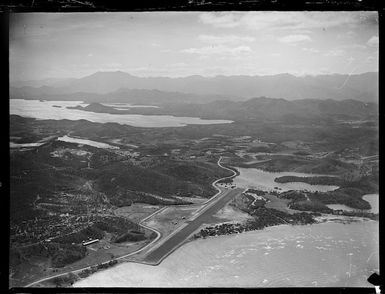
x=274 y=230
x=73 y=275
x=120 y=260
x=339 y=219
x=324 y=219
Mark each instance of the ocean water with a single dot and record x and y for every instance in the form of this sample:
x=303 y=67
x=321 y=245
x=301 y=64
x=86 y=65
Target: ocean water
x=324 y=255
x=46 y=110
x=259 y=179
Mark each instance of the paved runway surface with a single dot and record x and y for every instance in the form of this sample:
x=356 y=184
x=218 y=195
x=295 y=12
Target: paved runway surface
x=156 y=255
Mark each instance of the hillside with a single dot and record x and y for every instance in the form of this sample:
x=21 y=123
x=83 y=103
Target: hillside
x=259 y=108
x=122 y=95
x=39 y=174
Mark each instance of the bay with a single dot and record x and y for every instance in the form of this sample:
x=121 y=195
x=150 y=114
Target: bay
x=58 y=110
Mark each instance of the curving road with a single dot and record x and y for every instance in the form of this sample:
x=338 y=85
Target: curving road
x=200 y=217
x=178 y=237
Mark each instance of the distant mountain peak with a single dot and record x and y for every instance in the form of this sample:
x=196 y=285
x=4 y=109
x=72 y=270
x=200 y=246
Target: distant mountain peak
x=363 y=87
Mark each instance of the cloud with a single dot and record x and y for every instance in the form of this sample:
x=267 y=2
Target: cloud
x=350 y=60
x=177 y=64
x=225 y=39
x=335 y=52
x=346 y=35
x=286 y=20
x=222 y=20
x=111 y=66
x=370 y=59
x=373 y=41
x=294 y=38
x=353 y=46
x=311 y=50
x=218 y=50
x=276 y=54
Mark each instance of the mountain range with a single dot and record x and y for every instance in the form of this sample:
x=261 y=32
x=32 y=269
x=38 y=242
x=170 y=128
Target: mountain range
x=124 y=87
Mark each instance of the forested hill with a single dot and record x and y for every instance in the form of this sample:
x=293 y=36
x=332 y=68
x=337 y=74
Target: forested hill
x=259 y=108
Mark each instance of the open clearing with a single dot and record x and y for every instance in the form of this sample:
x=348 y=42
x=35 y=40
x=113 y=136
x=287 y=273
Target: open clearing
x=169 y=219
x=136 y=212
x=232 y=214
x=278 y=204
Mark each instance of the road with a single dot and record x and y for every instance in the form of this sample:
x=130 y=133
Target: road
x=156 y=255
x=106 y=262
x=173 y=241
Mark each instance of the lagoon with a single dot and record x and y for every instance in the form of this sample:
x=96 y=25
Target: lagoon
x=263 y=180
x=86 y=142
x=373 y=201
x=24 y=145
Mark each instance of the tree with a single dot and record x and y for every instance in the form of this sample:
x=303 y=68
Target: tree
x=57 y=281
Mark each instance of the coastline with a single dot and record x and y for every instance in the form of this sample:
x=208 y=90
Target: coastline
x=68 y=278
x=324 y=218
x=192 y=247
x=121 y=260
x=339 y=219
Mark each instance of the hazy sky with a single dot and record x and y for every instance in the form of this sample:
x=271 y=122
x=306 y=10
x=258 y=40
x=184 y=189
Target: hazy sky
x=54 y=45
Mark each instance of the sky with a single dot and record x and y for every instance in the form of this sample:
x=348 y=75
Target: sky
x=175 y=44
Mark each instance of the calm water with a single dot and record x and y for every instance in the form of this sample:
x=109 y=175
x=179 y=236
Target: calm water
x=326 y=254
x=16 y=145
x=259 y=179
x=374 y=202
x=46 y=110
x=87 y=142
x=125 y=106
